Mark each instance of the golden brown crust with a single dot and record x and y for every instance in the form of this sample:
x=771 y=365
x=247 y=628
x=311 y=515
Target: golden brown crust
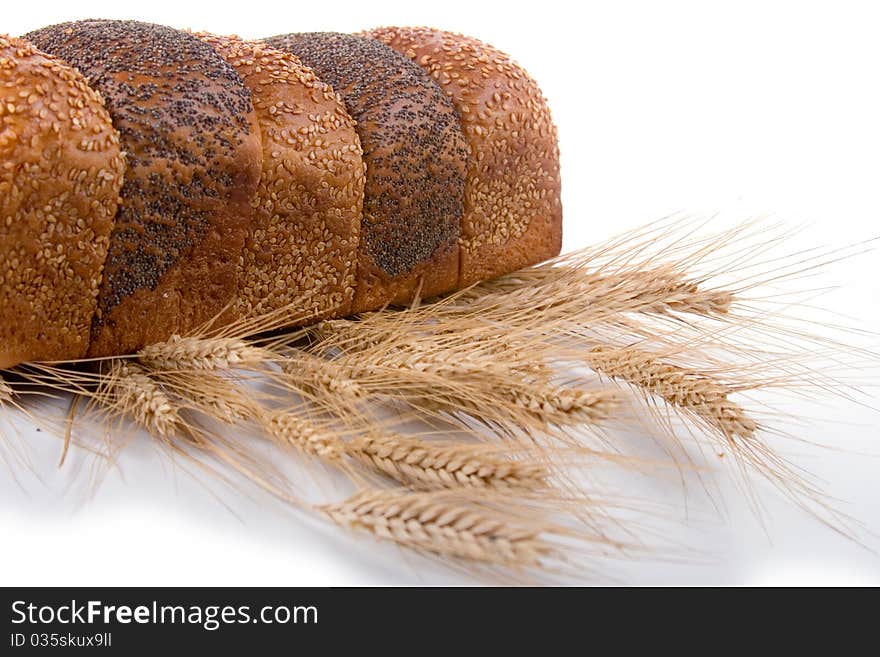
x=61 y=169
x=513 y=209
x=301 y=251
x=416 y=159
x=194 y=157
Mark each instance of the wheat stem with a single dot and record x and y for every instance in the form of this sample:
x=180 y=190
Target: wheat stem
x=5 y=392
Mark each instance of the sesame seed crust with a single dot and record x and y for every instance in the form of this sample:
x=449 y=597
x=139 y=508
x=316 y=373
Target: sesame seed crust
x=302 y=246
x=61 y=169
x=513 y=208
x=193 y=153
x=416 y=158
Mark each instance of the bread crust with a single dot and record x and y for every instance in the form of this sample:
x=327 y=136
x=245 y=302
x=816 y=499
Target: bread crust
x=194 y=157
x=416 y=158
x=301 y=251
x=513 y=207
x=61 y=170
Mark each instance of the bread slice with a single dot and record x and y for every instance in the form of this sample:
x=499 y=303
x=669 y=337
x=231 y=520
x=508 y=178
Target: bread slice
x=513 y=207
x=416 y=158
x=301 y=251
x=194 y=157
x=61 y=170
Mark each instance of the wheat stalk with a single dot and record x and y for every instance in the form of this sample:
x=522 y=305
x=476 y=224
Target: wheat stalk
x=679 y=386
x=192 y=353
x=5 y=392
x=447 y=526
x=288 y=428
x=418 y=463
x=135 y=394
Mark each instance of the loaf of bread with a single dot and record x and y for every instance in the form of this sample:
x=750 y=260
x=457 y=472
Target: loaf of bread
x=154 y=180
x=513 y=209
x=416 y=159
x=193 y=158
x=61 y=170
x=301 y=250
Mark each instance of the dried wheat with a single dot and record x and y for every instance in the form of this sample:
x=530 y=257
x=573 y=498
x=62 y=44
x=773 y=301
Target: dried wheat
x=438 y=361
x=211 y=394
x=315 y=374
x=291 y=429
x=515 y=390
x=681 y=387
x=191 y=353
x=443 y=525
x=563 y=405
x=134 y=393
x=423 y=464
x=657 y=290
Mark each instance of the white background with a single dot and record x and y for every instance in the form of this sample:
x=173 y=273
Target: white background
x=743 y=108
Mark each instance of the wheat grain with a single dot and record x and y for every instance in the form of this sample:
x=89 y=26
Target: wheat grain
x=182 y=353
x=137 y=395
x=421 y=464
x=562 y=405
x=291 y=429
x=681 y=387
x=315 y=374
x=447 y=526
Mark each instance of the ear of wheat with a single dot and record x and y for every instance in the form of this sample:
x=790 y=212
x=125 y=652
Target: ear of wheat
x=706 y=401
x=562 y=291
x=195 y=353
x=423 y=464
x=567 y=406
x=678 y=386
x=315 y=375
x=129 y=390
x=443 y=525
x=291 y=429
